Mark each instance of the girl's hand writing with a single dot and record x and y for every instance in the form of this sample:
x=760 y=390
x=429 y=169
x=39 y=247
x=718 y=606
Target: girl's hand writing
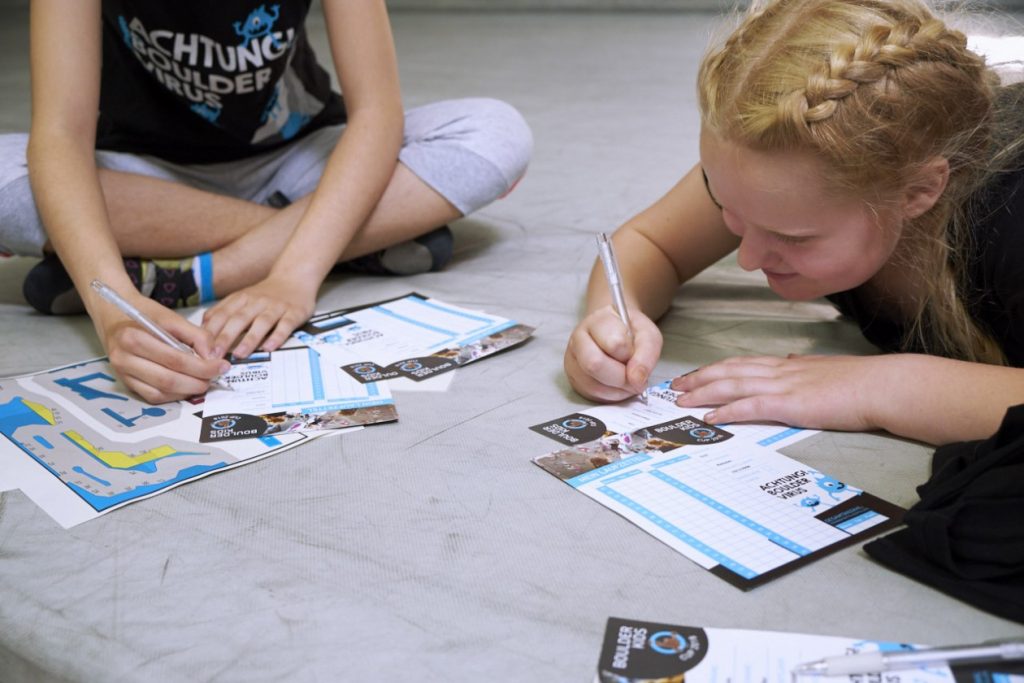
x=601 y=361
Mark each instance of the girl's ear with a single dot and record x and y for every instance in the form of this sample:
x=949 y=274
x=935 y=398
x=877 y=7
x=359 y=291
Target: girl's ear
x=925 y=187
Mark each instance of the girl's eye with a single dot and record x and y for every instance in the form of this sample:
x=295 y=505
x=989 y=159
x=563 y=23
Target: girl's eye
x=790 y=239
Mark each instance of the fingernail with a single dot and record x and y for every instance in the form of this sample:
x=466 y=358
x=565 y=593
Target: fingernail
x=223 y=367
x=710 y=416
x=217 y=352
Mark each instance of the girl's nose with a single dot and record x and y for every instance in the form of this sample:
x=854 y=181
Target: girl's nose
x=754 y=252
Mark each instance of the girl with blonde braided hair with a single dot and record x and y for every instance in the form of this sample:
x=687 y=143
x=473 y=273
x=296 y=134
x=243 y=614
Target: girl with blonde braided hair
x=854 y=150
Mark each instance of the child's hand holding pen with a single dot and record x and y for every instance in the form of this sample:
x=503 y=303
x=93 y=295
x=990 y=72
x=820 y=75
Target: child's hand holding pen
x=154 y=361
x=613 y=350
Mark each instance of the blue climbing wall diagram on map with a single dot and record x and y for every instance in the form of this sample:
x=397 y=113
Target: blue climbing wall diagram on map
x=103 y=469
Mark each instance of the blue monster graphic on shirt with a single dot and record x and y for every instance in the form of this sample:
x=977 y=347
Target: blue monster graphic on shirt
x=259 y=23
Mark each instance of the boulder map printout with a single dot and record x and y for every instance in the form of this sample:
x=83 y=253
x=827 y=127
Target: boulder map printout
x=78 y=444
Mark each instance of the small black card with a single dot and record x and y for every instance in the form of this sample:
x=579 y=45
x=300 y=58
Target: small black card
x=573 y=429
x=636 y=651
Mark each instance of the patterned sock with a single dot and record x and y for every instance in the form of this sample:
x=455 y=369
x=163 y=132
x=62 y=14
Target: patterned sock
x=174 y=283
x=171 y=282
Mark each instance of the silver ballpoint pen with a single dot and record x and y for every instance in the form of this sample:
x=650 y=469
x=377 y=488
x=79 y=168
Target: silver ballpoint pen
x=150 y=326
x=611 y=273
x=877 y=662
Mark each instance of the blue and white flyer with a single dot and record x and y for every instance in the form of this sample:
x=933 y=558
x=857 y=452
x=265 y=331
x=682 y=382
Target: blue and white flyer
x=721 y=496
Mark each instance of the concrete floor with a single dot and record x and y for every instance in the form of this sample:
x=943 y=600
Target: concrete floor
x=433 y=546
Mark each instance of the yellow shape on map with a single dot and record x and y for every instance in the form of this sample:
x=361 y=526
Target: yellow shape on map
x=41 y=410
x=120 y=459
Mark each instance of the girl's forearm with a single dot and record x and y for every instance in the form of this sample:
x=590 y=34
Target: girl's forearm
x=938 y=400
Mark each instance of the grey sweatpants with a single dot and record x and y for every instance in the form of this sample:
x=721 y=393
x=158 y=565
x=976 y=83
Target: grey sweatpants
x=471 y=151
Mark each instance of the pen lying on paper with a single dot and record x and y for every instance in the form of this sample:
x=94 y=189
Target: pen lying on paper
x=877 y=662
x=154 y=329
x=611 y=273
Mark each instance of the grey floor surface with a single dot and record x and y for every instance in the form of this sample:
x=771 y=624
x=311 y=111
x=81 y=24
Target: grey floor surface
x=432 y=549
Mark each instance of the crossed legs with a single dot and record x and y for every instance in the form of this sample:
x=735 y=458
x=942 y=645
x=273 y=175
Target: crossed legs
x=155 y=219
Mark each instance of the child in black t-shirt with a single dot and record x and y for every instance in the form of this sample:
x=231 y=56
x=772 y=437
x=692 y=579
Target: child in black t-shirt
x=223 y=166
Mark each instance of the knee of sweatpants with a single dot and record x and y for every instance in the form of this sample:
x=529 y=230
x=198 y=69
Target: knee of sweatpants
x=471 y=151
x=21 y=230
x=504 y=137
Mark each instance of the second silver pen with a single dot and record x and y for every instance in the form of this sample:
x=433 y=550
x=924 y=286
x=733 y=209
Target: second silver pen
x=878 y=661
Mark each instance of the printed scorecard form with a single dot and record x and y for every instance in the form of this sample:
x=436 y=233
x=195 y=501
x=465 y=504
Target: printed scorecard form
x=401 y=328
x=289 y=378
x=411 y=340
x=293 y=388
x=725 y=508
x=334 y=371
x=724 y=499
x=637 y=651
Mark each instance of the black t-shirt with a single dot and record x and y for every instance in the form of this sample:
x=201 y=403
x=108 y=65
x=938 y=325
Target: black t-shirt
x=194 y=81
x=995 y=291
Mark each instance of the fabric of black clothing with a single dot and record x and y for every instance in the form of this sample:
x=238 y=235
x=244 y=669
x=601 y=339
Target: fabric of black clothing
x=195 y=81
x=966 y=535
x=995 y=296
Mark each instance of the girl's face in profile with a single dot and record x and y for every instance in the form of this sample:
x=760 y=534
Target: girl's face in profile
x=806 y=241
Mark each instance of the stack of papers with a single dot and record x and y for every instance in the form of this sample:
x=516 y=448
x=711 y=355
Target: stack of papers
x=77 y=443
x=333 y=372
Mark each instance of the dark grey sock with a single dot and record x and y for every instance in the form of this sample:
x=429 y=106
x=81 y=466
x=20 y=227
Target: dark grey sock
x=425 y=253
x=429 y=252
x=48 y=288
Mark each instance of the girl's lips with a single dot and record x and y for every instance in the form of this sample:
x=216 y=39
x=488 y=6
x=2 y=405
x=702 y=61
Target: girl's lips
x=778 y=276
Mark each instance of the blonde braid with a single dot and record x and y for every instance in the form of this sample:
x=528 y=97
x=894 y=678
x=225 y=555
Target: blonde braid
x=881 y=50
x=873 y=88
